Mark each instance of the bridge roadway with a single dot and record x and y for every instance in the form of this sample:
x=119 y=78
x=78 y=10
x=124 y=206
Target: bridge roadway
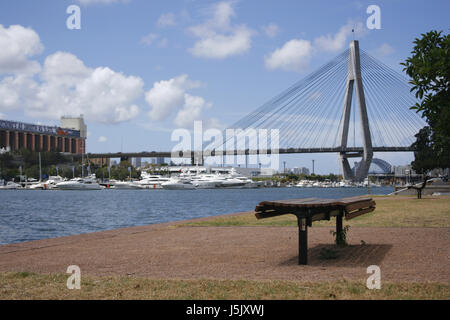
x=188 y=154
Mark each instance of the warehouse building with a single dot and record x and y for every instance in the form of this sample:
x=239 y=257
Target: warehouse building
x=70 y=137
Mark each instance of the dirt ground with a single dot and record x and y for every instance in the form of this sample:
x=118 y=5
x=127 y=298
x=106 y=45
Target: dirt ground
x=168 y=251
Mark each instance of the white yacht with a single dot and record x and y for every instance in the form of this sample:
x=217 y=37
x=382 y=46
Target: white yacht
x=234 y=180
x=151 y=182
x=205 y=182
x=208 y=181
x=126 y=185
x=344 y=184
x=249 y=183
x=88 y=183
x=178 y=184
x=302 y=184
x=10 y=185
x=47 y=185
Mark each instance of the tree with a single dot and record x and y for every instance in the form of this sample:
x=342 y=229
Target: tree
x=424 y=157
x=429 y=69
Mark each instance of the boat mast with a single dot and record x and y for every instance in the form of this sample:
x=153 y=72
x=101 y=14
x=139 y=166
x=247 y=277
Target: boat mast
x=82 y=159
x=40 y=168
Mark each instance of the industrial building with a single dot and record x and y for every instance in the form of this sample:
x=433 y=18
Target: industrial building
x=70 y=137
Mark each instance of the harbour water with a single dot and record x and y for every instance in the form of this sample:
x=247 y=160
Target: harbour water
x=27 y=215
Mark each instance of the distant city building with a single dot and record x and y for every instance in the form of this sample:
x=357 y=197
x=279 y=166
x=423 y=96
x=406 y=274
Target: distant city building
x=403 y=170
x=136 y=162
x=302 y=170
x=160 y=160
x=70 y=137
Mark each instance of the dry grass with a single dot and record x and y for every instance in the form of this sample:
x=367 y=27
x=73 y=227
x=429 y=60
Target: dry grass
x=394 y=211
x=24 y=285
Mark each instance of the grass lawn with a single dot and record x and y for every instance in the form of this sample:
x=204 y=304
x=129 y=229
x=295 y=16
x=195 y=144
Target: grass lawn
x=25 y=285
x=394 y=211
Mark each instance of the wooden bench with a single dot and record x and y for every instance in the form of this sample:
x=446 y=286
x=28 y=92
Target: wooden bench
x=314 y=209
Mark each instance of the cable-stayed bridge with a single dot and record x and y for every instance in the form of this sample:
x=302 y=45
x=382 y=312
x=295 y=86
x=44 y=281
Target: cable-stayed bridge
x=354 y=105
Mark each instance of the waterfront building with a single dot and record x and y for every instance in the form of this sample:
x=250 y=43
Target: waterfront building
x=70 y=137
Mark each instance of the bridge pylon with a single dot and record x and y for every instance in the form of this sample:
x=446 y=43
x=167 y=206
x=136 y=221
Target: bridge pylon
x=354 y=81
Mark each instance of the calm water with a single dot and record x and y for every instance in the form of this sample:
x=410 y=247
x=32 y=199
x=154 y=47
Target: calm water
x=32 y=214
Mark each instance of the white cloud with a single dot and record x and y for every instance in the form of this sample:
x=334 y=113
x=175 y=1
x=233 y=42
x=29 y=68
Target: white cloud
x=17 y=91
x=153 y=38
x=218 y=38
x=385 y=50
x=339 y=40
x=63 y=85
x=191 y=111
x=149 y=39
x=294 y=55
x=170 y=97
x=220 y=46
x=67 y=87
x=271 y=30
x=17 y=45
x=102 y=139
x=166 y=20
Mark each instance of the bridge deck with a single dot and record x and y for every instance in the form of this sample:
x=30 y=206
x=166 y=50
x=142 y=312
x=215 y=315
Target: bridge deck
x=189 y=154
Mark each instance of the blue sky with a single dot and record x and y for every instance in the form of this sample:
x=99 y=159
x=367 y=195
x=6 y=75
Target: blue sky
x=138 y=69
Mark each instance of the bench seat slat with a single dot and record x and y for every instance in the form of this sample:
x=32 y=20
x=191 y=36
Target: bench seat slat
x=357 y=213
x=359 y=205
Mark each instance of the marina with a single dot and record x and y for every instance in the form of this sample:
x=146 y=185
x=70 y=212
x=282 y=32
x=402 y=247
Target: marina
x=185 y=180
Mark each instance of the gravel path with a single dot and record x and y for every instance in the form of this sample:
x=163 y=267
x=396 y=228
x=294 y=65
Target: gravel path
x=170 y=252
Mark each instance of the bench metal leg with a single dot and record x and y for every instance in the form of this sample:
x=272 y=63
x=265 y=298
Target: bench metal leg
x=302 y=241
x=339 y=240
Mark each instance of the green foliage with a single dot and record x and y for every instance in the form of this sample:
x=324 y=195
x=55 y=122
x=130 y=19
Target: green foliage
x=119 y=172
x=429 y=69
x=425 y=158
x=29 y=161
x=54 y=163
x=341 y=240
